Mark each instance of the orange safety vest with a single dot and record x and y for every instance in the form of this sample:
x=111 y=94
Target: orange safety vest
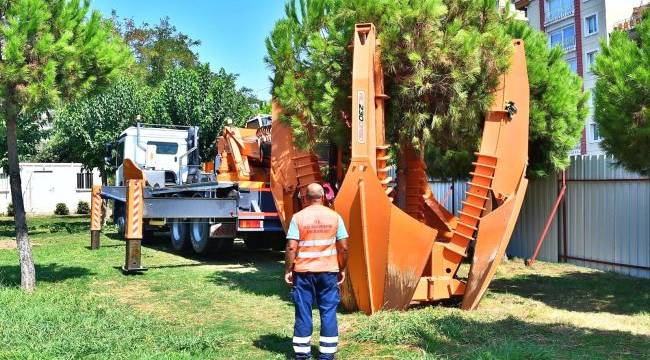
x=317 y=226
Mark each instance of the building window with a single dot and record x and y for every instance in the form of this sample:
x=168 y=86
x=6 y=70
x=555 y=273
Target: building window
x=595 y=133
x=565 y=38
x=573 y=65
x=591 y=24
x=84 y=181
x=591 y=58
x=557 y=10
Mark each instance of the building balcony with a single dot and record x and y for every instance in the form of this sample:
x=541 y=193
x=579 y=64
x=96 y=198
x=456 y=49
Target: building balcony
x=557 y=15
x=567 y=45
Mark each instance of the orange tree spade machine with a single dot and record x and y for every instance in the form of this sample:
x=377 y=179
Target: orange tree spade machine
x=405 y=247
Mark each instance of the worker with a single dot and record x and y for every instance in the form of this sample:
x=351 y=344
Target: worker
x=316 y=257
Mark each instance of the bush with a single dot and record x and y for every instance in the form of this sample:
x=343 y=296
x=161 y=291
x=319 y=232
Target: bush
x=10 y=209
x=83 y=208
x=61 y=209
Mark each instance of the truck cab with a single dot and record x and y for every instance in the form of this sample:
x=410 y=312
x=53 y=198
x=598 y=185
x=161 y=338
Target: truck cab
x=167 y=155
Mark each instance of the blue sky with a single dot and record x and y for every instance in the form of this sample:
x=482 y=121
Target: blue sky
x=232 y=32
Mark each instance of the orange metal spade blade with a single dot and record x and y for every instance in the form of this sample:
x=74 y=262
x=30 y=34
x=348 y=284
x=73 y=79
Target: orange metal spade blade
x=388 y=249
x=491 y=243
x=505 y=137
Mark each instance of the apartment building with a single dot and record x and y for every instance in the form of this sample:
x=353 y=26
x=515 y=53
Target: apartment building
x=578 y=26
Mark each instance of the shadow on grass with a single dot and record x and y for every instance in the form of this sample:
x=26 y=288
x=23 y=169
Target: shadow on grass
x=75 y=226
x=458 y=337
x=10 y=274
x=584 y=292
x=263 y=275
x=276 y=344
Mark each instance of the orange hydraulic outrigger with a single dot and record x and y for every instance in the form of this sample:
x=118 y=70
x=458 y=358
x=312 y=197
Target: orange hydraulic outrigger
x=405 y=247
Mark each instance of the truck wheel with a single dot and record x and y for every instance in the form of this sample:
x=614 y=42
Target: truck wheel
x=199 y=235
x=179 y=234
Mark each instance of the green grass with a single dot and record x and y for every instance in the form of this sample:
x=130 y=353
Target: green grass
x=237 y=307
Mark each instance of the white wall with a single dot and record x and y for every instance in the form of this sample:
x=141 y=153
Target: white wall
x=45 y=185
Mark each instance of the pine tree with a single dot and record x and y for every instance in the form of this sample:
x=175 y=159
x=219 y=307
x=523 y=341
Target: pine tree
x=622 y=96
x=50 y=50
x=441 y=59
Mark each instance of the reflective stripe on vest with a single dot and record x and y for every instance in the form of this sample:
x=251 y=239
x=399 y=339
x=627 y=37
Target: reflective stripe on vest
x=317 y=226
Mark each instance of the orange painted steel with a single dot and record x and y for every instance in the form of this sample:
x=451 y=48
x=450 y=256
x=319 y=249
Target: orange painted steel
x=95 y=216
x=96 y=208
x=241 y=155
x=384 y=266
x=404 y=246
x=292 y=169
x=134 y=208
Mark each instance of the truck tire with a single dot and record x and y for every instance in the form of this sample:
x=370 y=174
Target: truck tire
x=200 y=236
x=179 y=232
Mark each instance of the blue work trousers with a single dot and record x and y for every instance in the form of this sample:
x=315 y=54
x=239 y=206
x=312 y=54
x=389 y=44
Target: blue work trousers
x=322 y=288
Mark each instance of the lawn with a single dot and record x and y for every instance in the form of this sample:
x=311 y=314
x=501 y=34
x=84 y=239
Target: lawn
x=237 y=307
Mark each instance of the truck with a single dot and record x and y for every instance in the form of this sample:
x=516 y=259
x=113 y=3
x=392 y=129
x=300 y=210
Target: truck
x=200 y=209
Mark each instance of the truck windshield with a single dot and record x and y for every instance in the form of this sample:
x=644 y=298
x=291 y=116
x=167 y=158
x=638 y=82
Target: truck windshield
x=164 y=148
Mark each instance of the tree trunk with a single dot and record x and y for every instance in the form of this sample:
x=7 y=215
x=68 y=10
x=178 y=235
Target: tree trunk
x=24 y=246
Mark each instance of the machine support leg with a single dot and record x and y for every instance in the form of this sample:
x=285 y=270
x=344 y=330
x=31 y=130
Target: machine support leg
x=95 y=217
x=134 y=223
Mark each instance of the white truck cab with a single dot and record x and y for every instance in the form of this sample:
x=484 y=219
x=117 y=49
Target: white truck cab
x=163 y=153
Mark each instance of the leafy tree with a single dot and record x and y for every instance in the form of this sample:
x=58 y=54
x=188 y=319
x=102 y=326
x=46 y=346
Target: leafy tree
x=558 y=106
x=441 y=60
x=50 y=50
x=158 y=49
x=622 y=97
x=203 y=98
x=83 y=127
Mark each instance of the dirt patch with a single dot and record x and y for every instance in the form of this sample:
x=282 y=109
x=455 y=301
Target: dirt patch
x=7 y=244
x=11 y=244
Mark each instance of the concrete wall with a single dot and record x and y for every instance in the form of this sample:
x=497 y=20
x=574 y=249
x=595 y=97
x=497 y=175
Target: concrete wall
x=45 y=185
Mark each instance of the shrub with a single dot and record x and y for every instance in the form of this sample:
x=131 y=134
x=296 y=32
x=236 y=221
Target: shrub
x=61 y=209
x=10 y=209
x=83 y=208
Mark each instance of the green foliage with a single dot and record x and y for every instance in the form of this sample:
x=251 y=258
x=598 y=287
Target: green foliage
x=157 y=49
x=54 y=50
x=83 y=127
x=51 y=50
x=10 y=209
x=185 y=97
x=61 y=209
x=200 y=97
x=558 y=106
x=83 y=208
x=441 y=60
x=622 y=97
